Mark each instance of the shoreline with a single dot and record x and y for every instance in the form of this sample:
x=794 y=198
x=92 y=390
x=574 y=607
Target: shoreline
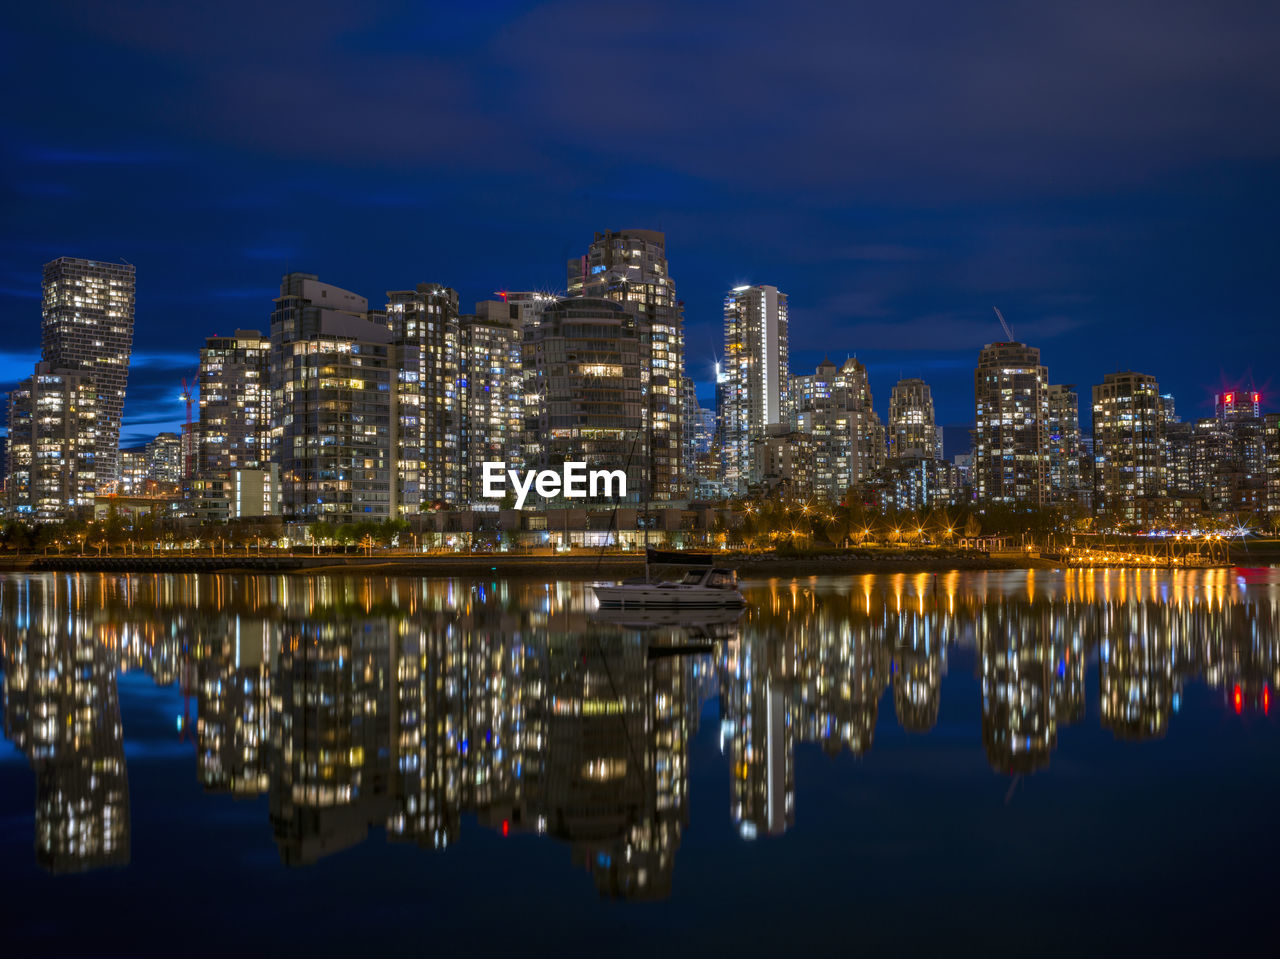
x=581 y=567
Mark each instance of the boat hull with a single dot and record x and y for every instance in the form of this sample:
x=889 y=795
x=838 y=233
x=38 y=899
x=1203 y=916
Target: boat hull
x=667 y=597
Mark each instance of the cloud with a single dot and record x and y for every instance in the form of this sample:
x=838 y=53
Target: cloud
x=829 y=98
x=59 y=156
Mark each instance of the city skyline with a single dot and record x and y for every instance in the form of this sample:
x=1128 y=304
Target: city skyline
x=168 y=394
x=896 y=209
x=348 y=412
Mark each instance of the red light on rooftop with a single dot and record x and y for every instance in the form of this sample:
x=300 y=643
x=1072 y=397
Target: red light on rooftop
x=1257 y=397
x=1229 y=398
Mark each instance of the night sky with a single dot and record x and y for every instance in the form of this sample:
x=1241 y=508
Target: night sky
x=1104 y=172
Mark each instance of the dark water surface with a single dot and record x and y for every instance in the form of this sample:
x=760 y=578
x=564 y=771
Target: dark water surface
x=1019 y=762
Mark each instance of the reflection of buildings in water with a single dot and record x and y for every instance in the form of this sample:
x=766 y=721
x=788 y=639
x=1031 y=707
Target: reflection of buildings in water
x=756 y=725
x=1136 y=679
x=233 y=707
x=1031 y=661
x=919 y=665
x=615 y=778
x=1239 y=654
x=407 y=704
x=331 y=738
x=1019 y=723
x=62 y=711
x=841 y=676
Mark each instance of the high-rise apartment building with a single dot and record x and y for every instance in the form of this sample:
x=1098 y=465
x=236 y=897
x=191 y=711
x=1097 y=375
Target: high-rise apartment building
x=490 y=391
x=757 y=379
x=1064 y=444
x=334 y=403
x=1271 y=467
x=912 y=429
x=1237 y=405
x=53 y=441
x=1010 y=439
x=424 y=328
x=87 y=326
x=1228 y=455
x=833 y=407
x=630 y=266
x=235 y=403
x=1128 y=444
x=166 y=458
x=583 y=375
x=133 y=472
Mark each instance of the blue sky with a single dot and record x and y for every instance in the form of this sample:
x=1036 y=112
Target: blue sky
x=1104 y=172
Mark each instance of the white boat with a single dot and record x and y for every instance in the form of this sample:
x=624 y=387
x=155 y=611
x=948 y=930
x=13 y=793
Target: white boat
x=703 y=587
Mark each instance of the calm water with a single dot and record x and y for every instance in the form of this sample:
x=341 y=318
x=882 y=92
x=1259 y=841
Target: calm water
x=1077 y=762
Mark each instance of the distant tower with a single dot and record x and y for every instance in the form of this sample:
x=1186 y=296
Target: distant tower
x=1237 y=404
x=1010 y=437
x=87 y=326
x=757 y=378
x=912 y=430
x=833 y=406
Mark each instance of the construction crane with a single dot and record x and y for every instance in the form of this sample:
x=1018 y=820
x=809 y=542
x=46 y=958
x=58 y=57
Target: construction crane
x=1007 y=332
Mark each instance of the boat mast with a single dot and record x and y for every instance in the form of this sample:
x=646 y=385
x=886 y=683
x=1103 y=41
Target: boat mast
x=648 y=486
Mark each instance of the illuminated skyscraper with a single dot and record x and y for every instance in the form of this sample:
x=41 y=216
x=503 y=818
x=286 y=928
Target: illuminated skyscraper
x=1064 y=445
x=332 y=382
x=757 y=371
x=133 y=472
x=165 y=458
x=1229 y=454
x=87 y=326
x=1010 y=439
x=912 y=430
x=583 y=378
x=833 y=406
x=428 y=421
x=52 y=444
x=235 y=403
x=630 y=266
x=490 y=391
x=1128 y=444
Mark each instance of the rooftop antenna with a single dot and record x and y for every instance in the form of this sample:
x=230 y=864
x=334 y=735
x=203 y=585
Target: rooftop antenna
x=1007 y=332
